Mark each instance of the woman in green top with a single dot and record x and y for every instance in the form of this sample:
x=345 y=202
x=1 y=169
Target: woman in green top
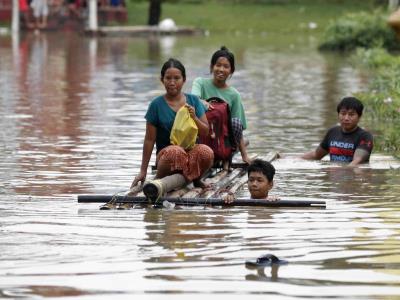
x=222 y=67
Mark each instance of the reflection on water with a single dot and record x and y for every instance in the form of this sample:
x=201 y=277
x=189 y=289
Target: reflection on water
x=72 y=117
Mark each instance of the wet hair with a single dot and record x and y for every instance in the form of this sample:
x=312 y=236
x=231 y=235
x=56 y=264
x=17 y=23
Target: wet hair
x=351 y=103
x=223 y=52
x=262 y=166
x=173 y=63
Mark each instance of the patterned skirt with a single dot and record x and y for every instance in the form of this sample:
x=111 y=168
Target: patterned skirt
x=192 y=163
x=237 y=130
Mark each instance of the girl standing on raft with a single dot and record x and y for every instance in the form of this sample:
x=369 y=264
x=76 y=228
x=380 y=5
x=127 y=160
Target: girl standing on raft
x=160 y=116
x=222 y=67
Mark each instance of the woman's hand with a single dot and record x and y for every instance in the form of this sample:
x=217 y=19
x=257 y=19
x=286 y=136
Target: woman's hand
x=192 y=111
x=207 y=105
x=141 y=177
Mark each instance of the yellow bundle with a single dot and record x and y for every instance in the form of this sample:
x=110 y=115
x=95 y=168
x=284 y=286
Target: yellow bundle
x=184 y=131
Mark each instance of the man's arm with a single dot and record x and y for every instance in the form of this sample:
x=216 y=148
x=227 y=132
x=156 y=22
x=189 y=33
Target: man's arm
x=360 y=156
x=363 y=150
x=316 y=154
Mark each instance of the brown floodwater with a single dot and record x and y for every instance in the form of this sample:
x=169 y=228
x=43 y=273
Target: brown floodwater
x=72 y=118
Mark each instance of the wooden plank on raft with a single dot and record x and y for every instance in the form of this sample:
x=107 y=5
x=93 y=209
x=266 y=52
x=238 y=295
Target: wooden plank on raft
x=235 y=185
x=223 y=183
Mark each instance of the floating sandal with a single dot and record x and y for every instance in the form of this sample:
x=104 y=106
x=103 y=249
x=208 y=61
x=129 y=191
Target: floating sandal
x=153 y=190
x=265 y=261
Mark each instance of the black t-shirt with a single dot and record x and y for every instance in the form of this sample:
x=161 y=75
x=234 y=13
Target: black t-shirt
x=342 y=145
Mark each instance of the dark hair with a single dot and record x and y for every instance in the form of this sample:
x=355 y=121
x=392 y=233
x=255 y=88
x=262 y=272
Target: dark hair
x=223 y=52
x=351 y=103
x=262 y=166
x=173 y=63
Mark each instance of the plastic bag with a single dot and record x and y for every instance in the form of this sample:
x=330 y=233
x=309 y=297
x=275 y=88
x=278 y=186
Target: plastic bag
x=184 y=131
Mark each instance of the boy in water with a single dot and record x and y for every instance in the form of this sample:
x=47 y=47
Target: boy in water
x=260 y=181
x=345 y=142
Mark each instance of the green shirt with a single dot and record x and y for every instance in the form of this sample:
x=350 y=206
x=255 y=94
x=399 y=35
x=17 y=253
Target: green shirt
x=204 y=88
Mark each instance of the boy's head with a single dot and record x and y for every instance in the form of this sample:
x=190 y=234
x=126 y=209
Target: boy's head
x=349 y=111
x=260 y=178
x=349 y=103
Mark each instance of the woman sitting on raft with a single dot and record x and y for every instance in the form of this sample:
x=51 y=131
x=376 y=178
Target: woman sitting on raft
x=160 y=116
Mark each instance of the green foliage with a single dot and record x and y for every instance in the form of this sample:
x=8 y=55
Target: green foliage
x=386 y=137
x=363 y=29
x=374 y=58
x=383 y=101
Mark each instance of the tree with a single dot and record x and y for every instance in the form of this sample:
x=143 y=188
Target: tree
x=154 y=12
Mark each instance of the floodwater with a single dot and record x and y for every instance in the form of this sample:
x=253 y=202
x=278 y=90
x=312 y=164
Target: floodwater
x=72 y=123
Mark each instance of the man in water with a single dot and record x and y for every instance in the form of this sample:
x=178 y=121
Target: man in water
x=346 y=142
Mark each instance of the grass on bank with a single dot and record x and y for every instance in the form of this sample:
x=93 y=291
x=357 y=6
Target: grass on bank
x=382 y=102
x=284 y=17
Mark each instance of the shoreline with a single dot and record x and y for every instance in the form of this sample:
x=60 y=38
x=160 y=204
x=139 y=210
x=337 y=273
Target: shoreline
x=142 y=31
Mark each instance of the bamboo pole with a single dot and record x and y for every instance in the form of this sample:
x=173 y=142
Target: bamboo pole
x=217 y=182
x=202 y=201
x=236 y=186
x=222 y=183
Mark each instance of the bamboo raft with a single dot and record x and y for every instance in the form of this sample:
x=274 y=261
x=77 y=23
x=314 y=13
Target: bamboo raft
x=222 y=181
